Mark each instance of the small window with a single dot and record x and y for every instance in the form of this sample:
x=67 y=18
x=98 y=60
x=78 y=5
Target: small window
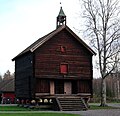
x=64 y=68
x=63 y=48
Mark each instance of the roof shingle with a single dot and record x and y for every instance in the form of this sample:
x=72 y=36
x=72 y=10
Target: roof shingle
x=7 y=85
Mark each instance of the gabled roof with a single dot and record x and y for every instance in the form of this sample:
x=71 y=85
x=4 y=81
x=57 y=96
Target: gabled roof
x=45 y=38
x=7 y=85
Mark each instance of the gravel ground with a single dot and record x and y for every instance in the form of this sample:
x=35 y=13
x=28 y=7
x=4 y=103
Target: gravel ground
x=109 y=104
x=113 y=112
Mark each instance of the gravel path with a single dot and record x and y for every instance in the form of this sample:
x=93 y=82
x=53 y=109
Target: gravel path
x=113 y=112
x=109 y=104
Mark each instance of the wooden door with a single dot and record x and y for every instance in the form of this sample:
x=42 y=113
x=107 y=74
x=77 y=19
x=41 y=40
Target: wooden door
x=67 y=87
x=59 y=87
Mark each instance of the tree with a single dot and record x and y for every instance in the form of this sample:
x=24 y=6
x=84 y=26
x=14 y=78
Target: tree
x=0 y=78
x=112 y=87
x=103 y=26
x=7 y=75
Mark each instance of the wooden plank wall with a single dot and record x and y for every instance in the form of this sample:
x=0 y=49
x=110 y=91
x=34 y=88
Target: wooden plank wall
x=49 y=57
x=45 y=65
x=24 y=76
x=43 y=86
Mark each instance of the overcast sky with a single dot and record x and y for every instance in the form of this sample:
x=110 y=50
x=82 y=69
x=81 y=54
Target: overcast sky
x=24 y=21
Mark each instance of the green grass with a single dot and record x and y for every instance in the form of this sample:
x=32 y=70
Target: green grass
x=16 y=108
x=37 y=114
x=13 y=108
x=29 y=112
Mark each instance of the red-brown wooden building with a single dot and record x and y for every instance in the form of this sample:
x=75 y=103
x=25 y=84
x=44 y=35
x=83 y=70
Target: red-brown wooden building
x=60 y=63
x=7 y=93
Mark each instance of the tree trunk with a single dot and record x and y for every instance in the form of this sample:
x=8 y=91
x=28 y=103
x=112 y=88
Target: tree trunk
x=118 y=90
x=103 y=92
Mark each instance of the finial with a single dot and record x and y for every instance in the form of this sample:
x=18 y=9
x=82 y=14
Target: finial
x=60 y=4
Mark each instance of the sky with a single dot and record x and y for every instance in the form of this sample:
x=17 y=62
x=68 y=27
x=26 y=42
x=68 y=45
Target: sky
x=24 y=21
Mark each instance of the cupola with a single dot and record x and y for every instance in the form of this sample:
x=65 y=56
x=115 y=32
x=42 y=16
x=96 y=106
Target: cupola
x=61 y=18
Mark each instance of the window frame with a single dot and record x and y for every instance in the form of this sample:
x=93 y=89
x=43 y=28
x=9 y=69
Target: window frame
x=63 y=49
x=64 y=72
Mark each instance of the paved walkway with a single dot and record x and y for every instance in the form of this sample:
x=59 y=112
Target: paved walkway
x=8 y=104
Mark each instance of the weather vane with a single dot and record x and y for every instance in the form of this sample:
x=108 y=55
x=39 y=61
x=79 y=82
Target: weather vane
x=60 y=4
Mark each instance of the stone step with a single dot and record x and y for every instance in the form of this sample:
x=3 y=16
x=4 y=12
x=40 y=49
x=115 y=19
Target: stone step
x=70 y=102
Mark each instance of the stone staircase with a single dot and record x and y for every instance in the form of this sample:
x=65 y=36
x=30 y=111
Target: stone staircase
x=71 y=103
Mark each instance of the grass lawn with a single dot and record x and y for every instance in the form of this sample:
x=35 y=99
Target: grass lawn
x=16 y=108
x=13 y=108
x=37 y=114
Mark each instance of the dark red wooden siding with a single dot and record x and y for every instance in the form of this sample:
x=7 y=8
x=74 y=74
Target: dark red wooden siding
x=84 y=86
x=49 y=57
x=43 y=86
x=9 y=95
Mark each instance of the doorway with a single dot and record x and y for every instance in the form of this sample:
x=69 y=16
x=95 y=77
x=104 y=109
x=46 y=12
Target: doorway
x=59 y=87
x=67 y=87
x=74 y=87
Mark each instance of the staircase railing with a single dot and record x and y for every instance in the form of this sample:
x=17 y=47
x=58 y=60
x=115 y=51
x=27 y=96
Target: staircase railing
x=58 y=102
x=83 y=101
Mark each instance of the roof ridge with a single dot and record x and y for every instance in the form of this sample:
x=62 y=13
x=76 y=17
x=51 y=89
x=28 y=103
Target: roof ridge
x=40 y=41
x=80 y=40
x=47 y=37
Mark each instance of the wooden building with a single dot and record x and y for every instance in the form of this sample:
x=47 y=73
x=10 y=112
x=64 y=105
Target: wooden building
x=7 y=92
x=58 y=64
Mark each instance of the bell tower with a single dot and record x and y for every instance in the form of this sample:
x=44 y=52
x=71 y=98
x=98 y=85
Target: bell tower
x=61 y=18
